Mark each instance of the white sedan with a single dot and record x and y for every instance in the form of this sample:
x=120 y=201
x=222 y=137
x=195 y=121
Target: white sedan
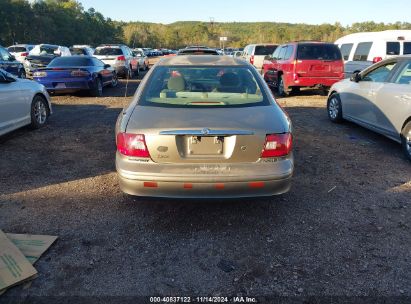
x=22 y=102
x=378 y=98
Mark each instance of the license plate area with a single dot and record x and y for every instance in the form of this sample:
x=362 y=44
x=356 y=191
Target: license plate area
x=60 y=86
x=204 y=145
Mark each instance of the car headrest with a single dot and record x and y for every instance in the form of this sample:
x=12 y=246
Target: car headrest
x=176 y=83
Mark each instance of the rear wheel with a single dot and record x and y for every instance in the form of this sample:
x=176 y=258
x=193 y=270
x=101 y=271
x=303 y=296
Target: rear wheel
x=406 y=140
x=137 y=71
x=39 y=112
x=334 y=108
x=97 y=90
x=281 y=87
x=114 y=80
x=129 y=74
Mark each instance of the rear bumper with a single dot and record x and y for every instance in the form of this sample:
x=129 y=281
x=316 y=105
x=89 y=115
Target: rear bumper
x=246 y=180
x=314 y=81
x=61 y=85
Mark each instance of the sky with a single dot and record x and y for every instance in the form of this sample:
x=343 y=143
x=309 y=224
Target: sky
x=297 y=11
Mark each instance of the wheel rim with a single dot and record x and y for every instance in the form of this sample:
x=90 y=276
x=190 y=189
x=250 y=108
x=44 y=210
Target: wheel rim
x=281 y=86
x=333 y=108
x=99 y=87
x=40 y=112
x=114 y=80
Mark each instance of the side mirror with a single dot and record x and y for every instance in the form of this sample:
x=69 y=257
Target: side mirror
x=268 y=57
x=106 y=66
x=355 y=77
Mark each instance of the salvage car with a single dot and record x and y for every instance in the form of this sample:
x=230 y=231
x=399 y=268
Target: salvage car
x=20 y=51
x=204 y=126
x=22 y=102
x=378 y=98
x=41 y=55
x=77 y=73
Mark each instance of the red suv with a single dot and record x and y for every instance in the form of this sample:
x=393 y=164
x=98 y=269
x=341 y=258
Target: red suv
x=303 y=64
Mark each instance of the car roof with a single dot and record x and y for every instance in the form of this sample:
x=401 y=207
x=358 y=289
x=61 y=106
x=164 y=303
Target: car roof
x=204 y=60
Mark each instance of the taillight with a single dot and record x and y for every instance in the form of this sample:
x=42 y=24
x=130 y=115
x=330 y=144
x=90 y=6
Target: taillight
x=24 y=54
x=252 y=59
x=80 y=73
x=132 y=145
x=277 y=145
x=121 y=58
x=376 y=59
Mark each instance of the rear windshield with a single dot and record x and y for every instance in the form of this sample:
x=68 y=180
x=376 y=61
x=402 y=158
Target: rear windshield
x=198 y=52
x=108 y=51
x=263 y=50
x=318 y=51
x=203 y=86
x=70 y=62
x=78 y=51
x=17 y=49
x=44 y=50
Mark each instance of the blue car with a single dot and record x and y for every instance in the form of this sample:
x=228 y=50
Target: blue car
x=76 y=73
x=9 y=63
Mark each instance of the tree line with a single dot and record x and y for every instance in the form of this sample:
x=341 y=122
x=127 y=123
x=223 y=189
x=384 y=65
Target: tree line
x=66 y=22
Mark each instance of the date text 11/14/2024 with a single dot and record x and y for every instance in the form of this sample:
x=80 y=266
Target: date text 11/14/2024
x=237 y=299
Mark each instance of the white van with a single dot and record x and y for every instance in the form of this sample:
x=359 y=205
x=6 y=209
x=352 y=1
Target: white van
x=360 y=50
x=255 y=54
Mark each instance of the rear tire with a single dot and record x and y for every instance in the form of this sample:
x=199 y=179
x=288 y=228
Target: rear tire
x=334 y=108
x=39 y=112
x=114 y=80
x=97 y=90
x=281 y=87
x=137 y=71
x=406 y=140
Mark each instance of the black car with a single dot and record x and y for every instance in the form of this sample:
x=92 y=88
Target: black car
x=9 y=63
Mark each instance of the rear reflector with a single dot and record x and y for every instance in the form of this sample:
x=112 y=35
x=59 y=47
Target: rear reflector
x=150 y=185
x=256 y=185
x=132 y=145
x=252 y=59
x=277 y=145
x=220 y=186
x=188 y=186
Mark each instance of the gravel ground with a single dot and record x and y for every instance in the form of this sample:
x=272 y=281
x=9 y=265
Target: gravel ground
x=343 y=229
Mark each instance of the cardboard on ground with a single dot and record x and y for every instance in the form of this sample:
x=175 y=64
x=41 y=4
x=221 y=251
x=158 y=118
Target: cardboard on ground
x=17 y=254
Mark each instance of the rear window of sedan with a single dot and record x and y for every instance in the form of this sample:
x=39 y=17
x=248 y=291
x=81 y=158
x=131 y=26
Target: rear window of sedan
x=203 y=86
x=318 y=51
x=70 y=62
x=108 y=51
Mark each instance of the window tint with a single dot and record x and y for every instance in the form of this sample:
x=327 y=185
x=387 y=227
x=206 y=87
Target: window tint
x=346 y=50
x=393 y=48
x=318 y=51
x=17 y=49
x=263 y=50
x=108 y=51
x=362 y=51
x=276 y=53
x=405 y=76
x=281 y=55
x=4 y=55
x=289 y=52
x=78 y=51
x=380 y=74
x=407 y=48
x=203 y=86
x=70 y=61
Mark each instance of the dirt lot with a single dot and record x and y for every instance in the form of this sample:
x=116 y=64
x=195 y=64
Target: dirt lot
x=343 y=230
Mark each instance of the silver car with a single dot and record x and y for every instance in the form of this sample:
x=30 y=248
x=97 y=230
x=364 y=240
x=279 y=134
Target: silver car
x=204 y=126
x=22 y=102
x=378 y=98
